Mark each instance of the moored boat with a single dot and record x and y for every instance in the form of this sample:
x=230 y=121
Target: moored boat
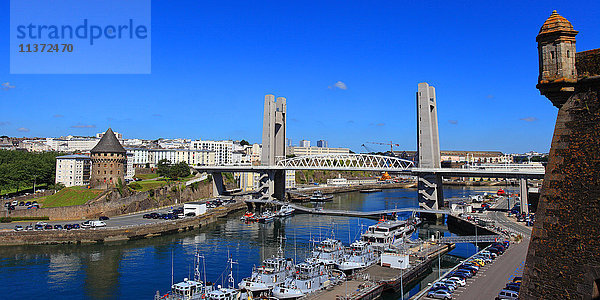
x=359 y=255
x=285 y=210
x=318 y=196
x=309 y=277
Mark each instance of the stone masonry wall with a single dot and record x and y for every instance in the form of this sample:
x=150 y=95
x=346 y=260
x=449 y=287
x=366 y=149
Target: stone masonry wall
x=563 y=261
x=114 y=205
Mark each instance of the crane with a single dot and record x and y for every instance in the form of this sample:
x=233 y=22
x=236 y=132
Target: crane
x=391 y=144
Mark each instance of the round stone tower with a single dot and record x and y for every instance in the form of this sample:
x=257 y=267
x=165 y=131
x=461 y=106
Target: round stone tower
x=109 y=160
x=556 y=51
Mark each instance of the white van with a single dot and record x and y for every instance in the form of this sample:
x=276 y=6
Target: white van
x=97 y=224
x=507 y=295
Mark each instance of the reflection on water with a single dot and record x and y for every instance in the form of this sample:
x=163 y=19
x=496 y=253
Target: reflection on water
x=137 y=269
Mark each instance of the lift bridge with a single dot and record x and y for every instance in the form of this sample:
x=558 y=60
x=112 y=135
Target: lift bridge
x=430 y=193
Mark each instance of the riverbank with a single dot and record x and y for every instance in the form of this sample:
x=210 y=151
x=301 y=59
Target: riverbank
x=109 y=234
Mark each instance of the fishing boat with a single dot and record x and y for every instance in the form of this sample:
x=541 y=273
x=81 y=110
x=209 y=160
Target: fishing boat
x=359 y=255
x=285 y=210
x=309 y=277
x=318 y=196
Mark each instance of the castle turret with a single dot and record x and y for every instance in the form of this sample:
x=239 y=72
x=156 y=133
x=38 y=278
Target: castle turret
x=556 y=50
x=108 y=161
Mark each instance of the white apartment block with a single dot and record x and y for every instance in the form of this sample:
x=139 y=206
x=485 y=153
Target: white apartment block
x=140 y=157
x=129 y=169
x=304 y=143
x=72 y=170
x=223 y=150
x=302 y=151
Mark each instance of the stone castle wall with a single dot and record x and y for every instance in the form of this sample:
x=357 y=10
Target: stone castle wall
x=563 y=261
x=113 y=205
x=588 y=63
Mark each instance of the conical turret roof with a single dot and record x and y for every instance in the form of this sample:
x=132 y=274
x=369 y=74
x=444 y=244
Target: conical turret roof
x=108 y=144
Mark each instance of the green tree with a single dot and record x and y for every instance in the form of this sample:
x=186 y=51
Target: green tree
x=163 y=168
x=244 y=143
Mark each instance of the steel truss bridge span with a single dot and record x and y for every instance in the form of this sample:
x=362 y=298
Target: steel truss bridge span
x=350 y=162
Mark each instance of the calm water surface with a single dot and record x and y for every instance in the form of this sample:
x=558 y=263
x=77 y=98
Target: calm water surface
x=137 y=269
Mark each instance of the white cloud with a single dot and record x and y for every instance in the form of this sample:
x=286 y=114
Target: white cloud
x=58 y=116
x=453 y=122
x=23 y=129
x=529 y=119
x=83 y=126
x=338 y=85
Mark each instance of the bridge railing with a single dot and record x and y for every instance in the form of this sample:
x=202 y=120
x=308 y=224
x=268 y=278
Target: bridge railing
x=347 y=161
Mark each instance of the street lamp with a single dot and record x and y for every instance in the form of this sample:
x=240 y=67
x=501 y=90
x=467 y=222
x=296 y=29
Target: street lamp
x=437 y=233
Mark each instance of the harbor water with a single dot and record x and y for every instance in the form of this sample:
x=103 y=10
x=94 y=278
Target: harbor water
x=137 y=269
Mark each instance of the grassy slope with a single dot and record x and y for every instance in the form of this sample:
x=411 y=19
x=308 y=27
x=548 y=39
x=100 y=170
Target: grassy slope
x=147 y=176
x=150 y=184
x=74 y=195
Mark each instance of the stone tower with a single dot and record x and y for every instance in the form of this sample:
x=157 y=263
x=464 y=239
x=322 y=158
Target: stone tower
x=563 y=260
x=556 y=52
x=109 y=160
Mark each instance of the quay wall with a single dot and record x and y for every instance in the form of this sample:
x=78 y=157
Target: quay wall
x=113 y=205
x=108 y=234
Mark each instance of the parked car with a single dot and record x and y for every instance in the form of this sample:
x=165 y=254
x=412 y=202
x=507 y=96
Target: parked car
x=458 y=280
x=147 y=216
x=15 y=203
x=86 y=224
x=75 y=226
x=39 y=227
x=28 y=203
x=518 y=279
x=41 y=223
x=58 y=227
x=48 y=227
x=22 y=203
x=513 y=287
x=18 y=228
x=443 y=285
x=440 y=294
x=28 y=227
x=68 y=226
x=190 y=214
x=507 y=295
x=103 y=218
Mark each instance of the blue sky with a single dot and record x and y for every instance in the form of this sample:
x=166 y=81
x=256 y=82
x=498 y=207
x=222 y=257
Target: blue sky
x=212 y=64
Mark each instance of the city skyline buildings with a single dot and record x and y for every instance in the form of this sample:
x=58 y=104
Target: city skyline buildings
x=490 y=116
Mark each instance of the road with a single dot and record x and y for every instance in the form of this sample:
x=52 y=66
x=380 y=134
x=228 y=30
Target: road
x=117 y=221
x=493 y=277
